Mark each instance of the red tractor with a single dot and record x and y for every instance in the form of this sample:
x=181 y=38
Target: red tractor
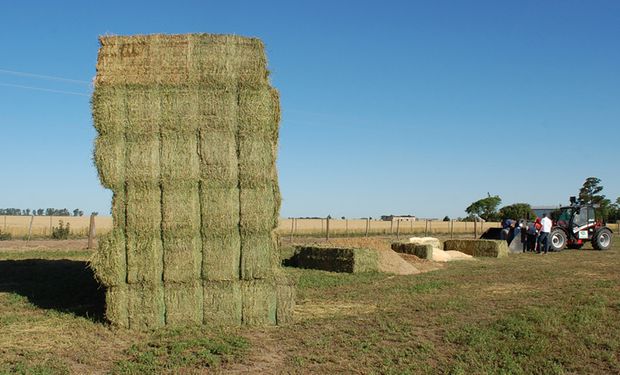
x=577 y=224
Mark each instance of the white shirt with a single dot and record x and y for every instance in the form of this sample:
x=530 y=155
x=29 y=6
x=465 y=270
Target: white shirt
x=546 y=225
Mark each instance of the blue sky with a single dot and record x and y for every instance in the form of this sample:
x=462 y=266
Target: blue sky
x=404 y=107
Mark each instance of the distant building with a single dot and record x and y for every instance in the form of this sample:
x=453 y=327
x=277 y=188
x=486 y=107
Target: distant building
x=398 y=218
x=540 y=210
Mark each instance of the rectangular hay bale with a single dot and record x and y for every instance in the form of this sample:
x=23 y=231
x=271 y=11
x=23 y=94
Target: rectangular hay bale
x=179 y=157
x=180 y=209
x=219 y=166
x=184 y=303
x=259 y=256
x=479 y=248
x=259 y=302
x=219 y=210
x=146 y=306
x=221 y=255
x=109 y=261
x=182 y=257
x=144 y=257
x=109 y=158
x=117 y=305
x=222 y=302
x=421 y=251
x=142 y=159
x=259 y=210
x=336 y=259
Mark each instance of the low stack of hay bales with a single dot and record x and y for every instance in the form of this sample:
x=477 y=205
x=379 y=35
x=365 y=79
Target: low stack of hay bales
x=187 y=141
x=421 y=251
x=334 y=259
x=479 y=248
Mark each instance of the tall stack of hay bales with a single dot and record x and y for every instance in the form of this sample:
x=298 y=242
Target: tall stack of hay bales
x=187 y=141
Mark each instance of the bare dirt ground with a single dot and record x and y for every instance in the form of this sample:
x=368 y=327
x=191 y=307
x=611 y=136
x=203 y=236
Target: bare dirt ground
x=21 y=245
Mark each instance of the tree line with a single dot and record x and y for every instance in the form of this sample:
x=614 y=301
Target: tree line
x=589 y=193
x=40 y=212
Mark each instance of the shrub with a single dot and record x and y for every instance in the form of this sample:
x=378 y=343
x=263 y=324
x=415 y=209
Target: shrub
x=5 y=236
x=61 y=232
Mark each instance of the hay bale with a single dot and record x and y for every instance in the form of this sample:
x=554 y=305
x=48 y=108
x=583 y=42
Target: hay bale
x=184 y=303
x=219 y=210
x=182 y=257
x=119 y=215
x=180 y=209
x=146 y=306
x=222 y=302
x=143 y=208
x=286 y=290
x=258 y=210
x=434 y=242
x=117 y=305
x=145 y=263
x=221 y=255
x=109 y=158
x=479 y=248
x=218 y=156
x=108 y=105
x=179 y=160
x=109 y=262
x=142 y=159
x=258 y=256
x=421 y=251
x=337 y=259
x=259 y=302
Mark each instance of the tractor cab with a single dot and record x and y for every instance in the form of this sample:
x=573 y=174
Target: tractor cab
x=580 y=220
x=577 y=224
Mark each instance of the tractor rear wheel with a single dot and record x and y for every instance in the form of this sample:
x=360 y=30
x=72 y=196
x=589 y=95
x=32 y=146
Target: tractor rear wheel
x=557 y=240
x=602 y=239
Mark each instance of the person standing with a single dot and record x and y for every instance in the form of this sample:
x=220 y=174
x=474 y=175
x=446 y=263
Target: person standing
x=532 y=234
x=545 y=229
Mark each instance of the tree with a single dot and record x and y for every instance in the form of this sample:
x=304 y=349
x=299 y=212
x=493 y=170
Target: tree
x=446 y=218
x=517 y=211
x=40 y=212
x=486 y=208
x=589 y=194
x=76 y=212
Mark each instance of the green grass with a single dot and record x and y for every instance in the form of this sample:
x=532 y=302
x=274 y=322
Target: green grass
x=552 y=314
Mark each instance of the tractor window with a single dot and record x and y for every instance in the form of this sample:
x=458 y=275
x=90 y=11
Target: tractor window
x=564 y=216
x=581 y=217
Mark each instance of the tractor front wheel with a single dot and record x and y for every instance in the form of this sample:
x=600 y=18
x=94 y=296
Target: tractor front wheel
x=602 y=239
x=557 y=239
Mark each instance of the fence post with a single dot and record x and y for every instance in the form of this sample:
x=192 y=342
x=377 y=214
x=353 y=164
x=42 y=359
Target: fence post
x=475 y=228
x=292 y=228
x=51 y=227
x=367 y=226
x=411 y=226
x=392 y=226
x=425 y=228
x=327 y=231
x=452 y=228
x=91 y=232
x=5 y=223
x=30 y=227
x=430 y=227
x=398 y=230
x=346 y=227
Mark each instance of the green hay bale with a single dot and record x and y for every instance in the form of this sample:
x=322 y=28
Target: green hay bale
x=146 y=306
x=109 y=158
x=117 y=305
x=142 y=159
x=109 y=261
x=143 y=208
x=180 y=109
x=286 y=290
x=142 y=112
x=179 y=159
x=182 y=258
x=259 y=302
x=217 y=112
x=184 y=303
x=221 y=255
x=421 y=251
x=222 y=302
x=337 y=259
x=219 y=210
x=144 y=258
x=259 y=210
x=108 y=106
x=180 y=209
x=479 y=248
x=218 y=155
x=258 y=256
x=257 y=158
x=259 y=112
x=119 y=215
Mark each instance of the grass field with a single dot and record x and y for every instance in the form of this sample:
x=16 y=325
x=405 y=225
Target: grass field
x=556 y=313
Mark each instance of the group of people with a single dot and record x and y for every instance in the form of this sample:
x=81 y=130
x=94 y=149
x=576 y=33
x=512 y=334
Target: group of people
x=534 y=235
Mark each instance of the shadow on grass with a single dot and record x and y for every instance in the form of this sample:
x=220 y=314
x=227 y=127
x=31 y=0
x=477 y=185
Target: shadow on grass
x=63 y=285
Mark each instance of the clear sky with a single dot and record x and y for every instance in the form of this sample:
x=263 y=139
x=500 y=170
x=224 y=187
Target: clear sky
x=404 y=107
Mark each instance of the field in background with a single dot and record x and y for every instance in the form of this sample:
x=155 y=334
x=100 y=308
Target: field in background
x=18 y=226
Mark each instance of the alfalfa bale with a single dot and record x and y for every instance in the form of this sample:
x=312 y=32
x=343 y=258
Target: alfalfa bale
x=182 y=257
x=222 y=302
x=143 y=208
x=109 y=158
x=421 y=251
x=221 y=254
x=337 y=259
x=179 y=157
x=286 y=290
x=184 y=303
x=180 y=109
x=217 y=112
x=479 y=248
x=258 y=255
x=180 y=209
x=117 y=305
x=146 y=306
x=145 y=262
x=257 y=157
x=142 y=159
x=119 y=216
x=108 y=106
x=219 y=210
x=258 y=210
x=259 y=302
x=219 y=166
x=109 y=261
